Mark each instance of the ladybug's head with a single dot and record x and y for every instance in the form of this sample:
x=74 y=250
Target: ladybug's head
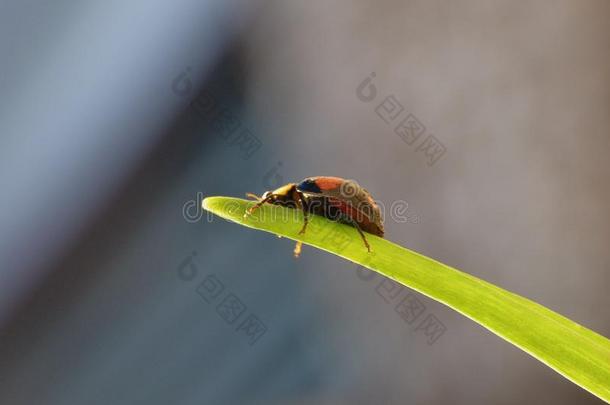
x=285 y=195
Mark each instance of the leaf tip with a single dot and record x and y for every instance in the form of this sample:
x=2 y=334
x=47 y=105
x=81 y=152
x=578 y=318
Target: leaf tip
x=211 y=204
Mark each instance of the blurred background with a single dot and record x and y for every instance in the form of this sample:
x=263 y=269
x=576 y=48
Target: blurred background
x=489 y=118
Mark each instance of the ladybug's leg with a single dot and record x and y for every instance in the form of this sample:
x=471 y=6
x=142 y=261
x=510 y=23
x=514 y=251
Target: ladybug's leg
x=366 y=243
x=301 y=202
x=258 y=204
x=297 y=249
x=306 y=221
x=346 y=218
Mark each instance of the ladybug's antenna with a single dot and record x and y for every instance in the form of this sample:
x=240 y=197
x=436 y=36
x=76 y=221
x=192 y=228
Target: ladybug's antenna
x=253 y=196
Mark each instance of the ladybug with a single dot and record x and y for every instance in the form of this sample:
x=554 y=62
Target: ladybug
x=331 y=197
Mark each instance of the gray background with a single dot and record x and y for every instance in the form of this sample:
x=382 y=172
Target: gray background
x=99 y=156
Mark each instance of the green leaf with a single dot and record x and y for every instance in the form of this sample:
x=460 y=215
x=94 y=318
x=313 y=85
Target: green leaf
x=579 y=354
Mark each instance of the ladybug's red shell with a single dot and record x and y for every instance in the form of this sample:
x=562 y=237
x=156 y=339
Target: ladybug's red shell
x=334 y=194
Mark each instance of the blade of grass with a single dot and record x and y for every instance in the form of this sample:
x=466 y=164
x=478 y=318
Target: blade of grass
x=579 y=354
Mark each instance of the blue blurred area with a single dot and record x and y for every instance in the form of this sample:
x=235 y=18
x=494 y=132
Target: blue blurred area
x=122 y=325
x=81 y=107
x=114 y=321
